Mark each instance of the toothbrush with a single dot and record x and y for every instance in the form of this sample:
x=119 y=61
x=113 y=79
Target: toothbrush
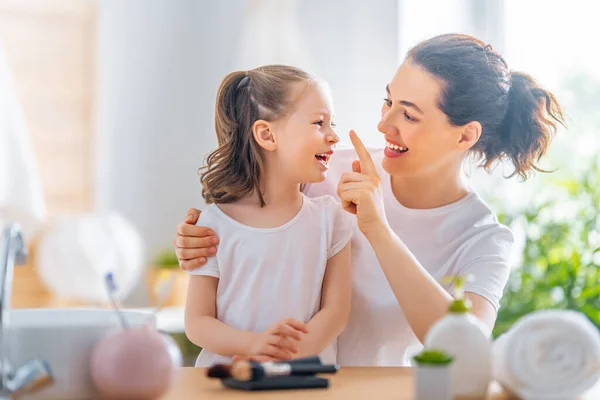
x=111 y=288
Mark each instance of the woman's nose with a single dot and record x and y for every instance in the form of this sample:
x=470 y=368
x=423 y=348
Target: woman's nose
x=385 y=125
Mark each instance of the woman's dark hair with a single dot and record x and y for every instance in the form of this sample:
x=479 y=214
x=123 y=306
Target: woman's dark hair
x=517 y=116
x=235 y=169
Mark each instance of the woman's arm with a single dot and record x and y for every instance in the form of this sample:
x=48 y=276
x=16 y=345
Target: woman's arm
x=202 y=327
x=422 y=299
x=483 y=309
x=331 y=319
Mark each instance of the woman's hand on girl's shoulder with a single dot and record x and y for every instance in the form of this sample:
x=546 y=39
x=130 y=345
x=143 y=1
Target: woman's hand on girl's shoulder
x=193 y=244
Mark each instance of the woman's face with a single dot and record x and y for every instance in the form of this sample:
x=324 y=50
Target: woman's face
x=419 y=137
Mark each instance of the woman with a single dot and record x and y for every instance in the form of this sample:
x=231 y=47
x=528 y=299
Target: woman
x=452 y=97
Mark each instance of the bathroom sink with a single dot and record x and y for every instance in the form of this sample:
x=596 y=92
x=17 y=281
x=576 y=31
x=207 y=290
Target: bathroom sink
x=64 y=338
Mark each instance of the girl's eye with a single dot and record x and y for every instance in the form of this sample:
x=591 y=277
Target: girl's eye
x=387 y=101
x=320 y=122
x=333 y=124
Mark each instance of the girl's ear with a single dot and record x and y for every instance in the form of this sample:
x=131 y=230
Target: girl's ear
x=264 y=135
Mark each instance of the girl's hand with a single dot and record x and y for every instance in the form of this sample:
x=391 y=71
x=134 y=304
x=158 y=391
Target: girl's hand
x=279 y=341
x=361 y=193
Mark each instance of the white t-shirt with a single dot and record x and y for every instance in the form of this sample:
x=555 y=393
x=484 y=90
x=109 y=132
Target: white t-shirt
x=266 y=275
x=460 y=238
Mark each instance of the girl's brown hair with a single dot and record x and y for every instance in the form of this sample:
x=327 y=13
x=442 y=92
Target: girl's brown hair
x=518 y=117
x=236 y=168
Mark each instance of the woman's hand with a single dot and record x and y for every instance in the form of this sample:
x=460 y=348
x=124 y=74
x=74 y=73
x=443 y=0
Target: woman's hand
x=194 y=243
x=360 y=192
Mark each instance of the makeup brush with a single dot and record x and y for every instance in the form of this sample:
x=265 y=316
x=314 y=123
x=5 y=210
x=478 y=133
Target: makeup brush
x=304 y=360
x=252 y=371
x=220 y=371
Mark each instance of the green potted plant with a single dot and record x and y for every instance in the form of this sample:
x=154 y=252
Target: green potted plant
x=433 y=375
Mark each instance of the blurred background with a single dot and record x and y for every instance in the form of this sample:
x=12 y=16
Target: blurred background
x=106 y=114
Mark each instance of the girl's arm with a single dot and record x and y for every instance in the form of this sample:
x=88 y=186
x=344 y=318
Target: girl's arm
x=331 y=320
x=205 y=330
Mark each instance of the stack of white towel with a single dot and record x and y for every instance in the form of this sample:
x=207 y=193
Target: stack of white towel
x=548 y=355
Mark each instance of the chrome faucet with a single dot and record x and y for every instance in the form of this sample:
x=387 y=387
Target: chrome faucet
x=34 y=374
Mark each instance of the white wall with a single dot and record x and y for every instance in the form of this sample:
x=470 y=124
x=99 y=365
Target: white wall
x=354 y=44
x=423 y=19
x=159 y=65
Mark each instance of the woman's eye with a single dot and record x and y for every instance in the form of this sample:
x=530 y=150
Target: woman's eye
x=387 y=101
x=320 y=123
x=333 y=124
x=408 y=117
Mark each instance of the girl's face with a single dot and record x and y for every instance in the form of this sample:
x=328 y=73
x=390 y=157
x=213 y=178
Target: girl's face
x=305 y=139
x=419 y=137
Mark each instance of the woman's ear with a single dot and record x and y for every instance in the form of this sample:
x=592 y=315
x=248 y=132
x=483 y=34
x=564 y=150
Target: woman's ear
x=470 y=134
x=264 y=135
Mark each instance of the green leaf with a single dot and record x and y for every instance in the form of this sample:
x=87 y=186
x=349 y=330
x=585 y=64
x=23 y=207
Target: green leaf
x=590 y=292
x=592 y=313
x=433 y=357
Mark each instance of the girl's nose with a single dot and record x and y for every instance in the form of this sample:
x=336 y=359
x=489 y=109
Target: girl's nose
x=333 y=138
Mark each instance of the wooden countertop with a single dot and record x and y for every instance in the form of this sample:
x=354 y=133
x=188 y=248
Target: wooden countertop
x=379 y=383
x=349 y=383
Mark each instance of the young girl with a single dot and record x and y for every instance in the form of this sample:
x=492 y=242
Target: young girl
x=280 y=284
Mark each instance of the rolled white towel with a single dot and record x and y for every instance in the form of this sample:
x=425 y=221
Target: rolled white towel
x=548 y=355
